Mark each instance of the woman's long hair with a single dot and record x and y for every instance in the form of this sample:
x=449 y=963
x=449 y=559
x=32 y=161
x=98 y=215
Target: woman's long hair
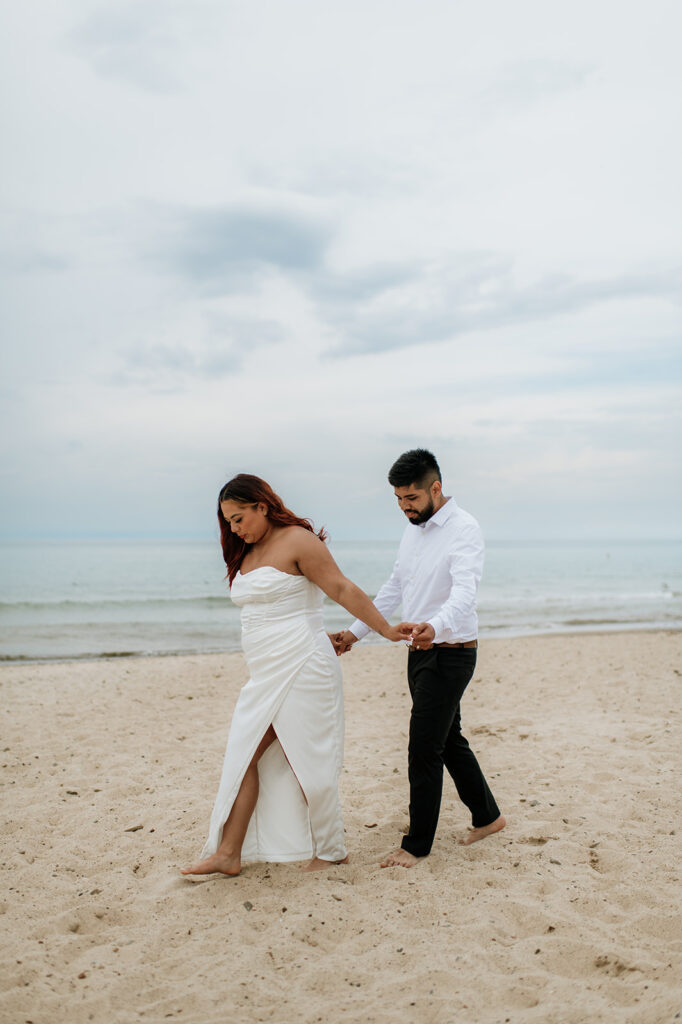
x=251 y=490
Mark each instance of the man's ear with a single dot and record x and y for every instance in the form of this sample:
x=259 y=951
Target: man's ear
x=436 y=489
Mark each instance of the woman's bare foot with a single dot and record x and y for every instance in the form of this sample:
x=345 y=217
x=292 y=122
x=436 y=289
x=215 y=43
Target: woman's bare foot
x=485 y=830
x=224 y=863
x=400 y=858
x=317 y=864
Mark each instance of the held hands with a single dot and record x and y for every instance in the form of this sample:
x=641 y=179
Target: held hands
x=423 y=636
x=403 y=631
x=420 y=636
x=342 y=641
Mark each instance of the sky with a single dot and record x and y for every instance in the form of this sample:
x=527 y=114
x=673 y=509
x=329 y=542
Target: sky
x=297 y=239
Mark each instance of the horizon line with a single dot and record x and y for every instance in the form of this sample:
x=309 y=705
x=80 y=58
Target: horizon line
x=387 y=538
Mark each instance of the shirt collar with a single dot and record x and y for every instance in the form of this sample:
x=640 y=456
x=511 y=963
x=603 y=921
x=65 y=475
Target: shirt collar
x=444 y=513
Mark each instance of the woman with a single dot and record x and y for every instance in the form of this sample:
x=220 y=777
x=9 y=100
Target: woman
x=278 y=797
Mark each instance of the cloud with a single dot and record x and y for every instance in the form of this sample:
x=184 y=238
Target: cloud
x=525 y=83
x=216 y=349
x=478 y=292
x=656 y=364
x=336 y=172
x=31 y=244
x=362 y=284
x=141 y=44
x=23 y=260
x=381 y=306
x=224 y=248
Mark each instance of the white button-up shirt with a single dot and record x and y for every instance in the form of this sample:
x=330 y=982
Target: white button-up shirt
x=436 y=576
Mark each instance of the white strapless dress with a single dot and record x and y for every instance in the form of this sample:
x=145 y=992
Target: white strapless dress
x=295 y=685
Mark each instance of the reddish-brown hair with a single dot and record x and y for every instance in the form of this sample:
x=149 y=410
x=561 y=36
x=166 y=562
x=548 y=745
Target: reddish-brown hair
x=251 y=490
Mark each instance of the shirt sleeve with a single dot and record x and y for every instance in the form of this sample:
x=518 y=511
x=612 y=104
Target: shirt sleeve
x=386 y=601
x=465 y=562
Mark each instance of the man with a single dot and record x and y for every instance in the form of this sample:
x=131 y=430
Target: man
x=436 y=577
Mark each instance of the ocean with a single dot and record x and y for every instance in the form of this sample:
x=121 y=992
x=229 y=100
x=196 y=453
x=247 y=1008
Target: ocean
x=105 y=598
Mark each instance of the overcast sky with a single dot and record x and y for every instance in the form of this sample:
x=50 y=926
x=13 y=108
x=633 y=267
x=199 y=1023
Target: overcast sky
x=297 y=237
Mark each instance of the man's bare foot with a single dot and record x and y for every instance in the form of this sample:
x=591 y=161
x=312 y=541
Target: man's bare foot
x=224 y=863
x=317 y=864
x=400 y=858
x=485 y=830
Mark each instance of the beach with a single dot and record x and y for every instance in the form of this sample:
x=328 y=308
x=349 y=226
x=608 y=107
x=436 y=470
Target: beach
x=569 y=916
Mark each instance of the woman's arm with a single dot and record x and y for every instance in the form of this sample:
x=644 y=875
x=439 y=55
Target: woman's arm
x=316 y=563
x=387 y=599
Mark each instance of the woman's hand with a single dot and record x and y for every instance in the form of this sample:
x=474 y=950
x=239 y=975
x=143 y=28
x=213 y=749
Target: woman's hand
x=403 y=631
x=423 y=636
x=342 y=641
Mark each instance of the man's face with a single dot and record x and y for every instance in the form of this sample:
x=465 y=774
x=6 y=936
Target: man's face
x=418 y=505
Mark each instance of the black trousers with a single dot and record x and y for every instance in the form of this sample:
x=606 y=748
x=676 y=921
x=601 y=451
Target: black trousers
x=437 y=680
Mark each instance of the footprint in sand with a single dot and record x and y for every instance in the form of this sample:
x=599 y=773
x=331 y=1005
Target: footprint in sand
x=613 y=967
x=595 y=863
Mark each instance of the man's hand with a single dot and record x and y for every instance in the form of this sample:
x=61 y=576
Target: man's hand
x=423 y=636
x=342 y=641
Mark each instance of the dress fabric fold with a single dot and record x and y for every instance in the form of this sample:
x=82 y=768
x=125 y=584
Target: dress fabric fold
x=295 y=685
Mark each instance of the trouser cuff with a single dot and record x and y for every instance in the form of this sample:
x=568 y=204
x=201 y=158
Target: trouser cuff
x=416 y=849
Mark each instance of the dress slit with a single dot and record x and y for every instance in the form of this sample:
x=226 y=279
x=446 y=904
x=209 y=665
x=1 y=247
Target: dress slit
x=291 y=767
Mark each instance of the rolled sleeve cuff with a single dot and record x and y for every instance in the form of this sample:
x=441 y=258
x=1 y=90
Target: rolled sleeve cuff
x=359 y=629
x=437 y=625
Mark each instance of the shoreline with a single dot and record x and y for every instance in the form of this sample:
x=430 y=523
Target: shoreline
x=600 y=629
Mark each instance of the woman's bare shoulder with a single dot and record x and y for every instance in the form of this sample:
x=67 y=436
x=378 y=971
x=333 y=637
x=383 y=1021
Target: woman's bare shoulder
x=299 y=536
x=299 y=543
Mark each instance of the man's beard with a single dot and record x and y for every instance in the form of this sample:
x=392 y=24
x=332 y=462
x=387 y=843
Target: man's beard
x=424 y=515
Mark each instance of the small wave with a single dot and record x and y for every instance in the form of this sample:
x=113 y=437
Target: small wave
x=637 y=621
x=33 y=659
x=88 y=656
x=113 y=602
x=119 y=654
x=599 y=622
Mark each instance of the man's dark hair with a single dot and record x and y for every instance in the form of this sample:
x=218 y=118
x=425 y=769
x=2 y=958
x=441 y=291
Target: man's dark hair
x=418 y=467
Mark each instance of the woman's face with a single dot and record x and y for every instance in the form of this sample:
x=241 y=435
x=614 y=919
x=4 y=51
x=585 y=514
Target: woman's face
x=248 y=521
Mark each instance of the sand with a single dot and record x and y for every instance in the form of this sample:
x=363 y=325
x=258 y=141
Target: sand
x=569 y=915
